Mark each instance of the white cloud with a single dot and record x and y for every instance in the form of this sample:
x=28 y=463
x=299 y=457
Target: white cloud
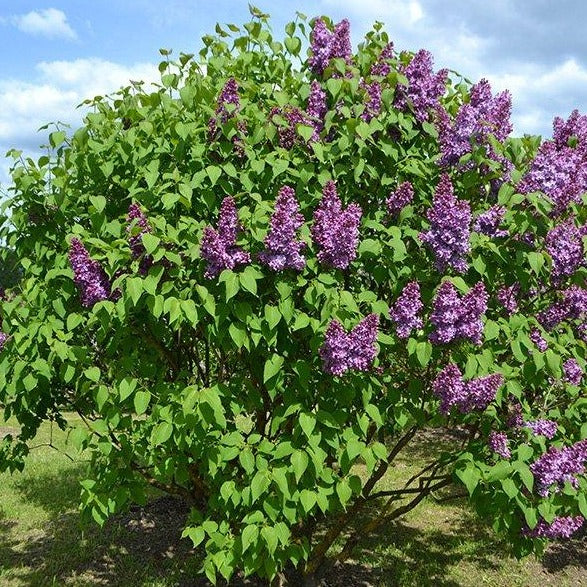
x=50 y=23
x=538 y=91
x=59 y=88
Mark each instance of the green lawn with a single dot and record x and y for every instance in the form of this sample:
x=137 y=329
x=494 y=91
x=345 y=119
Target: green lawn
x=42 y=542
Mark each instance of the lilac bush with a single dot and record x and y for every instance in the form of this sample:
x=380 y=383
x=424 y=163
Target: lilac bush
x=261 y=280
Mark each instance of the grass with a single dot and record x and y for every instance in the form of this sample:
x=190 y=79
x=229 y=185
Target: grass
x=43 y=543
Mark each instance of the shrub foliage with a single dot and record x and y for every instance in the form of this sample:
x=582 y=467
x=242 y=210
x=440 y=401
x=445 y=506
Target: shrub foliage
x=259 y=280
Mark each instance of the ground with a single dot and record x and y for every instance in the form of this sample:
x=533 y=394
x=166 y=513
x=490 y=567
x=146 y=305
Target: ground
x=441 y=545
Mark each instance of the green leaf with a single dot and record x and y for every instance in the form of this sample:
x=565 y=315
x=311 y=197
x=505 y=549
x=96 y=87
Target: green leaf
x=343 y=491
x=161 y=433
x=247 y=460
x=293 y=45
x=141 y=401
x=272 y=315
x=213 y=172
x=248 y=282
x=150 y=242
x=272 y=367
x=249 y=536
x=423 y=352
x=99 y=202
x=269 y=534
x=299 y=462
x=93 y=374
x=308 y=423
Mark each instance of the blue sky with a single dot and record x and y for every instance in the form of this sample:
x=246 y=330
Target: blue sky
x=56 y=53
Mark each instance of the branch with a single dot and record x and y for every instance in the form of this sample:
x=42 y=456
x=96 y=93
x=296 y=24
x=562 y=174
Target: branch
x=387 y=517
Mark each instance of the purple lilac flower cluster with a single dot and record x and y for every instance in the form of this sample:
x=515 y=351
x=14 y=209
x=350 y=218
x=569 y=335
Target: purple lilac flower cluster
x=326 y=45
x=475 y=394
x=538 y=339
x=573 y=306
x=560 y=527
x=3 y=338
x=448 y=235
x=560 y=166
x=317 y=108
x=507 y=296
x=542 y=427
x=356 y=350
x=488 y=222
x=456 y=318
x=398 y=200
x=336 y=231
x=558 y=466
x=573 y=372
x=282 y=248
x=483 y=115
x=89 y=276
x=381 y=66
x=373 y=101
x=499 y=444
x=137 y=226
x=564 y=243
x=424 y=86
x=406 y=309
x=218 y=246
x=288 y=134
x=227 y=105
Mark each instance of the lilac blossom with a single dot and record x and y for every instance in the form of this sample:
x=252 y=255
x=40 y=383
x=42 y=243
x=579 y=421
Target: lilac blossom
x=456 y=318
x=475 y=394
x=573 y=306
x=564 y=244
x=424 y=86
x=398 y=200
x=542 y=427
x=336 y=231
x=344 y=351
x=538 y=340
x=559 y=169
x=449 y=387
x=373 y=101
x=488 y=222
x=218 y=246
x=406 y=309
x=89 y=276
x=3 y=338
x=448 y=235
x=317 y=108
x=381 y=66
x=288 y=134
x=507 y=296
x=282 y=248
x=498 y=443
x=573 y=372
x=515 y=418
x=483 y=115
x=326 y=45
x=560 y=527
x=481 y=391
x=227 y=105
x=558 y=466
x=137 y=226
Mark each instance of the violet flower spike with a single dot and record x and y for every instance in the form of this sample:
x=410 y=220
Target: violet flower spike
x=498 y=443
x=89 y=276
x=218 y=246
x=282 y=248
x=405 y=311
x=448 y=235
x=336 y=231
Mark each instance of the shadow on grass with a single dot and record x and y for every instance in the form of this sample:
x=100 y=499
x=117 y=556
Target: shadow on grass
x=144 y=546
